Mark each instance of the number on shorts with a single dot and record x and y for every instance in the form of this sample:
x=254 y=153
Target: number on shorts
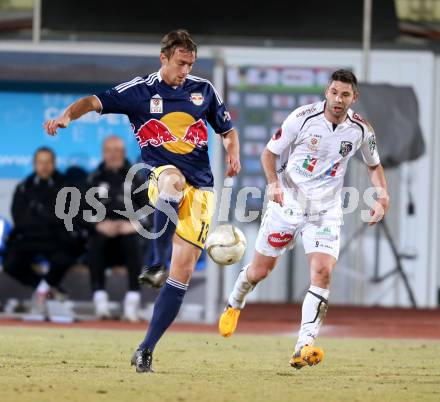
x=317 y=243
x=203 y=233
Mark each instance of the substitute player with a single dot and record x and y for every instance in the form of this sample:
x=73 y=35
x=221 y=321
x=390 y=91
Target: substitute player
x=169 y=111
x=313 y=146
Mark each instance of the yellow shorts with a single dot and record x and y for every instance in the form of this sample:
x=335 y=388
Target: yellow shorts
x=195 y=209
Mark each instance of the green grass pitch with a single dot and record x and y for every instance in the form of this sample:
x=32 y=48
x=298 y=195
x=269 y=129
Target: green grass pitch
x=44 y=365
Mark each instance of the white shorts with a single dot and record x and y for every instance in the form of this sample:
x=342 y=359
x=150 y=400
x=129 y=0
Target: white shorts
x=281 y=226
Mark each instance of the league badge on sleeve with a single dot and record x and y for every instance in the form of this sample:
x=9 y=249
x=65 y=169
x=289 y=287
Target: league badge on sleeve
x=372 y=144
x=346 y=147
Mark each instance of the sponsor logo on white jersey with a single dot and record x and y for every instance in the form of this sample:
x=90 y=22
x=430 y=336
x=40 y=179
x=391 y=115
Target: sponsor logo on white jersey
x=278 y=134
x=306 y=111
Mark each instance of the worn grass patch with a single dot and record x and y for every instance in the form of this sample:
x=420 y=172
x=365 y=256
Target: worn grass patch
x=93 y=365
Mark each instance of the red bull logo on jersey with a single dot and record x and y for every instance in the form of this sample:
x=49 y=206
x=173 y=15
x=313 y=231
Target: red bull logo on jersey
x=154 y=133
x=178 y=132
x=197 y=99
x=197 y=134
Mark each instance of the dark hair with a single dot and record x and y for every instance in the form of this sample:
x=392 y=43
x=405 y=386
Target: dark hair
x=179 y=38
x=45 y=149
x=345 y=76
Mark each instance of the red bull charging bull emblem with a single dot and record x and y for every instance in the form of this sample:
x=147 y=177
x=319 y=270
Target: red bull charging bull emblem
x=177 y=132
x=197 y=134
x=154 y=133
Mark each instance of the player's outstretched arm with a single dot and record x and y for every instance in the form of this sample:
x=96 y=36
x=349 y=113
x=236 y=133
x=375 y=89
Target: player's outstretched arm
x=232 y=147
x=269 y=163
x=74 y=111
x=378 y=180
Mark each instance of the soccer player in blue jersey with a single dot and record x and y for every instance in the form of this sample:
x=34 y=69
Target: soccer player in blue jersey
x=169 y=111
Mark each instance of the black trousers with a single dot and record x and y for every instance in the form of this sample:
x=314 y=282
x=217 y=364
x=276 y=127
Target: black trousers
x=106 y=252
x=20 y=255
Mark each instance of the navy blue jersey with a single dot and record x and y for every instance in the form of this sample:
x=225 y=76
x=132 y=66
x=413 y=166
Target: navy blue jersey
x=170 y=124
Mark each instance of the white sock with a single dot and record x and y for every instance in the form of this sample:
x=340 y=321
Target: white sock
x=100 y=296
x=314 y=309
x=132 y=302
x=100 y=300
x=132 y=296
x=171 y=197
x=241 y=288
x=43 y=287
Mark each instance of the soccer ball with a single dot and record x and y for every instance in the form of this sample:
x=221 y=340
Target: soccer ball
x=226 y=244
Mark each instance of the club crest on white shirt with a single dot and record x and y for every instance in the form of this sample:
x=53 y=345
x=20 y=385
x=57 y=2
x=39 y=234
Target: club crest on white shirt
x=197 y=98
x=346 y=147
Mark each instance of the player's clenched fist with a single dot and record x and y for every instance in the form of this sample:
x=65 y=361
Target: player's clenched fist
x=275 y=192
x=233 y=165
x=380 y=208
x=51 y=126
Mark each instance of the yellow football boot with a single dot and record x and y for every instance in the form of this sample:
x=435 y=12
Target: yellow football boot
x=307 y=356
x=228 y=321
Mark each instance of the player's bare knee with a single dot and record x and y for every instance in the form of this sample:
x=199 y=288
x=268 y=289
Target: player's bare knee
x=182 y=273
x=171 y=181
x=263 y=274
x=260 y=267
x=256 y=273
x=322 y=274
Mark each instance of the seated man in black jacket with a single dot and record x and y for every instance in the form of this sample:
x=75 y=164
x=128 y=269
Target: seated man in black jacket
x=115 y=235
x=37 y=232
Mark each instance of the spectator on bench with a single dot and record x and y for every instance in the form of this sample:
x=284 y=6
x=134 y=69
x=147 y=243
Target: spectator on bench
x=115 y=234
x=38 y=233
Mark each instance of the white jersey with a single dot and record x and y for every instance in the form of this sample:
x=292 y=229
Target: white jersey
x=314 y=155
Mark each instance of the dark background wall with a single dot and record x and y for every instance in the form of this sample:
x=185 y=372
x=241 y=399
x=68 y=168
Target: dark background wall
x=292 y=20
x=77 y=72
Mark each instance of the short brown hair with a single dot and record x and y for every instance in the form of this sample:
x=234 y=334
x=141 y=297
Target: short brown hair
x=179 y=38
x=345 y=76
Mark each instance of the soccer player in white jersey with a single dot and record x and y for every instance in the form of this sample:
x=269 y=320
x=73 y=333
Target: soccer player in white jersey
x=313 y=147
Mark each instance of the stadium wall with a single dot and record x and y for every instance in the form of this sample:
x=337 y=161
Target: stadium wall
x=435 y=189
x=351 y=283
